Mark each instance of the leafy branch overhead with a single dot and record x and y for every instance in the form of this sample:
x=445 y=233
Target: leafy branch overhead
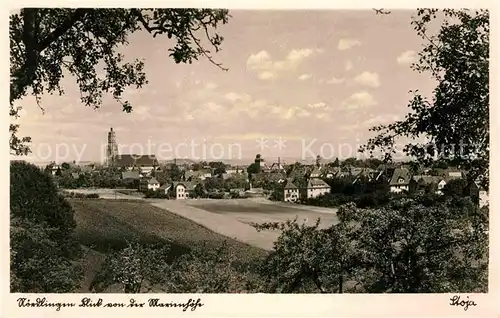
x=46 y=44
x=456 y=118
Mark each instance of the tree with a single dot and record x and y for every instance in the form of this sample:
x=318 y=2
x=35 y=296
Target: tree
x=253 y=168
x=174 y=172
x=336 y=163
x=416 y=246
x=456 y=119
x=209 y=270
x=65 y=166
x=406 y=246
x=218 y=166
x=136 y=268
x=306 y=258
x=47 y=42
x=199 y=191
x=44 y=255
x=455 y=188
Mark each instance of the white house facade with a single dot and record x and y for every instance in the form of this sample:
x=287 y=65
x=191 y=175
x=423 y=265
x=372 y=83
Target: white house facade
x=291 y=193
x=317 y=187
x=153 y=184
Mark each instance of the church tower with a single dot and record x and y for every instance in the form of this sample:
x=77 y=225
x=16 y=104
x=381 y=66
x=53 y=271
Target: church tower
x=112 y=150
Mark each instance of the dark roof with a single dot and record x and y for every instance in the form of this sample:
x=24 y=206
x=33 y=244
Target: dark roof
x=290 y=185
x=188 y=185
x=425 y=179
x=400 y=173
x=134 y=174
x=153 y=181
x=129 y=160
x=316 y=183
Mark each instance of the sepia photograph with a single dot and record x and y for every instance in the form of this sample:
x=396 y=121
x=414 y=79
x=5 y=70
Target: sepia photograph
x=231 y=151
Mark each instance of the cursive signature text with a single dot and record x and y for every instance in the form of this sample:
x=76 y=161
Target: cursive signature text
x=455 y=301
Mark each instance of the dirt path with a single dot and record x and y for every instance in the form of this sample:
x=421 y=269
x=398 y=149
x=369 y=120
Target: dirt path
x=219 y=223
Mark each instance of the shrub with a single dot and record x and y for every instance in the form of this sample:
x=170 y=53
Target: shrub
x=44 y=255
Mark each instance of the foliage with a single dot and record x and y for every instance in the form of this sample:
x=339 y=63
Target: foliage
x=306 y=259
x=209 y=270
x=412 y=245
x=156 y=194
x=39 y=263
x=253 y=168
x=44 y=255
x=456 y=188
x=136 y=268
x=214 y=183
x=218 y=166
x=48 y=43
x=174 y=172
x=456 y=120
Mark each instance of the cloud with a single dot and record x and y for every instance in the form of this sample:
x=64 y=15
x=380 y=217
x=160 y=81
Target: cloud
x=266 y=75
x=369 y=79
x=317 y=105
x=407 y=57
x=346 y=44
x=323 y=116
x=348 y=65
x=268 y=68
x=139 y=113
x=210 y=85
x=335 y=80
x=304 y=77
x=359 y=100
x=213 y=107
x=233 y=97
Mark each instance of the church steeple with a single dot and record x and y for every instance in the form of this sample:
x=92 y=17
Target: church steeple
x=112 y=149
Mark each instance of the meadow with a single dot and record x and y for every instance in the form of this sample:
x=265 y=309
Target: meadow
x=104 y=226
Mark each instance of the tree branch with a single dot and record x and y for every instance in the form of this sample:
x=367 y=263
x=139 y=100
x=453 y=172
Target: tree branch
x=61 y=29
x=204 y=52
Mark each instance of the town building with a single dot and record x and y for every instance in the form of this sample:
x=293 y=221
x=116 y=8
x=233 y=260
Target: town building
x=316 y=187
x=291 y=192
x=400 y=180
x=179 y=190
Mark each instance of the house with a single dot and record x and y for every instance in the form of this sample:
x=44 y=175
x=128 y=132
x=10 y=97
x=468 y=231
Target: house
x=478 y=194
x=276 y=176
x=400 y=180
x=255 y=192
x=440 y=186
x=331 y=172
x=153 y=184
x=315 y=173
x=146 y=163
x=423 y=181
x=131 y=175
x=316 y=187
x=180 y=190
x=291 y=192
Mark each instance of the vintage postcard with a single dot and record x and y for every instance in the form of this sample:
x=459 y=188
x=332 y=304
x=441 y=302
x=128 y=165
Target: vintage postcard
x=229 y=161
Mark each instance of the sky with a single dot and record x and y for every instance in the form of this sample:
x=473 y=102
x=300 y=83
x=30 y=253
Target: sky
x=299 y=84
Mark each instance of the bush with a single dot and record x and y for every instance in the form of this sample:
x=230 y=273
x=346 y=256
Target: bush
x=152 y=194
x=44 y=255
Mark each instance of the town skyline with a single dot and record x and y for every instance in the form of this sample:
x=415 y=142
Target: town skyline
x=330 y=88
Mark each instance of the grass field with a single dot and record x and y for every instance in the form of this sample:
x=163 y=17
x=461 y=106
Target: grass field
x=106 y=225
x=253 y=211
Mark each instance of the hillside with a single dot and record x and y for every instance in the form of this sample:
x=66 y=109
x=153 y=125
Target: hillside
x=107 y=225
